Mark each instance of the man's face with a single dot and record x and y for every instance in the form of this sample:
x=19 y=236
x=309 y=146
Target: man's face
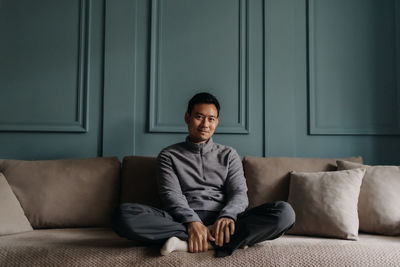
x=202 y=122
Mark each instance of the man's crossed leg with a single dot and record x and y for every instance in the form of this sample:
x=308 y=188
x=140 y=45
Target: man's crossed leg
x=149 y=225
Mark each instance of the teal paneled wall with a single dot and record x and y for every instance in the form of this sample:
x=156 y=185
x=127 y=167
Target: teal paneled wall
x=294 y=78
x=185 y=57
x=289 y=89
x=172 y=62
x=352 y=64
x=51 y=65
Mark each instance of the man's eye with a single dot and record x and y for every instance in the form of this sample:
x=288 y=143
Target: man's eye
x=212 y=119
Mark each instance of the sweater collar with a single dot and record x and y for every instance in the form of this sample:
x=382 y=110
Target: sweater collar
x=199 y=148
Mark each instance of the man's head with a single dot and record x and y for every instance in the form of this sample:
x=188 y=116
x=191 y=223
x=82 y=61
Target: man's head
x=202 y=117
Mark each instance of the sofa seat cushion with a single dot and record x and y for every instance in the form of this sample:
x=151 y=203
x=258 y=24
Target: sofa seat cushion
x=65 y=193
x=101 y=247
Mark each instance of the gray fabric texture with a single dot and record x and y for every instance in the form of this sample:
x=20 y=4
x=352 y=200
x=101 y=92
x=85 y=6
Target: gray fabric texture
x=102 y=247
x=205 y=176
x=149 y=225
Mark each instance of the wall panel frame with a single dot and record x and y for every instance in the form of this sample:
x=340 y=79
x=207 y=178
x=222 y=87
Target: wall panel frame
x=80 y=123
x=155 y=123
x=319 y=89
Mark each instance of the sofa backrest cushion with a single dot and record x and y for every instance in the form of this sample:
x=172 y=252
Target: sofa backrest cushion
x=65 y=193
x=12 y=217
x=268 y=178
x=139 y=181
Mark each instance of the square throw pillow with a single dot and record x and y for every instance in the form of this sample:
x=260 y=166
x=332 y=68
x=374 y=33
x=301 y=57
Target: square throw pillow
x=379 y=201
x=325 y=203
x=12 y=217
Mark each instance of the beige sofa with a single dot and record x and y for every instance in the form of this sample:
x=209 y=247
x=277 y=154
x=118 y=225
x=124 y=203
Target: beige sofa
x=69 y=203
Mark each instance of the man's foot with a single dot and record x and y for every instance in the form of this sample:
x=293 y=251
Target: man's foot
x=174 y=244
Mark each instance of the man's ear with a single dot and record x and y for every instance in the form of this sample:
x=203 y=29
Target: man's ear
x=187 y=118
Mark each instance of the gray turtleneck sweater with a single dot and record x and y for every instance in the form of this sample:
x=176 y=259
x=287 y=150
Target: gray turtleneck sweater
x=207 y=177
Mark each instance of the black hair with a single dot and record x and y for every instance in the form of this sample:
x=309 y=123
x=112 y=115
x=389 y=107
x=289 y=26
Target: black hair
x=202 y=98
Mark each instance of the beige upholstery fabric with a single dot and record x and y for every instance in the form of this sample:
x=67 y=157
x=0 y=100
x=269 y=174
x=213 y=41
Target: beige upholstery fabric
x=12 y=217
x=101 y=247
x=325 y=203
x=138 y=181
x=65 y=193
x=268 y=178
x=379 y=202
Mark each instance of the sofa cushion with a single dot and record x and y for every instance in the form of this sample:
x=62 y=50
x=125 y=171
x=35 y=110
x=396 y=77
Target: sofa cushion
x=12 y=217
x=139 y=181
x=325 y=203
x=65 y=193
x=379 y=202
x=268 y=178
x=102 y=247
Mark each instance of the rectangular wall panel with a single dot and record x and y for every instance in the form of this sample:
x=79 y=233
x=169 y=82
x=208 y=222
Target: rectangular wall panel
x=208 y=52
x=353 y=54
x=44 y=65
x=51 y=78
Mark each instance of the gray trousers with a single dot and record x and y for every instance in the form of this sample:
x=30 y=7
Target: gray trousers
x=149 y=225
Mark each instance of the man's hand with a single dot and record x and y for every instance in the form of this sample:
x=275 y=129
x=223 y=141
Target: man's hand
x=223 y=229
x=198 y=237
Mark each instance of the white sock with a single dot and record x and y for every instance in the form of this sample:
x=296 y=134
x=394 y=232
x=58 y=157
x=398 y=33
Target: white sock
x=176 y=244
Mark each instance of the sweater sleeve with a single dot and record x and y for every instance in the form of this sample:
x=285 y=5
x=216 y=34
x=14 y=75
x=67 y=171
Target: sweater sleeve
x=236 y=188
x=170 y=191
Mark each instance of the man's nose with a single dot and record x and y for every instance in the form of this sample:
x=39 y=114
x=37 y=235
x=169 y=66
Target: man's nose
x=205 y=122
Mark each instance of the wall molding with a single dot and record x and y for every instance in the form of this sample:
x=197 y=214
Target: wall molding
x=155 y=125
x=315 y=127
x=266 y=32
x=80 y=124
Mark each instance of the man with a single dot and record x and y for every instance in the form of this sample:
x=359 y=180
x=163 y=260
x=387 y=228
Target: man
x=202 y=184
